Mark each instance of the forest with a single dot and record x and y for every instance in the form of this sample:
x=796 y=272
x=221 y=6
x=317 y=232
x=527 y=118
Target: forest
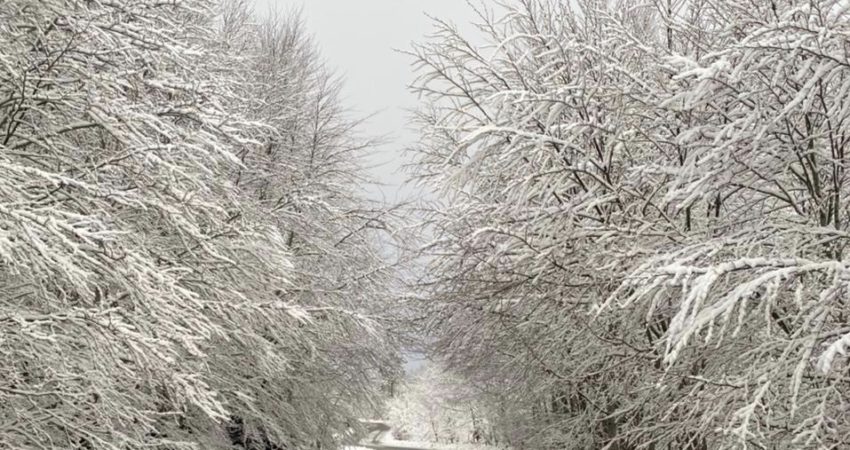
x=631 y=234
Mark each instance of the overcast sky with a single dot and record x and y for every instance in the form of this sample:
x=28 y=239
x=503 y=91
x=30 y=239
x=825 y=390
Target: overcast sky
x=358 y=39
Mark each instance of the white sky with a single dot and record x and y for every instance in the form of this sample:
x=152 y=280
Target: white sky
x=357 y=38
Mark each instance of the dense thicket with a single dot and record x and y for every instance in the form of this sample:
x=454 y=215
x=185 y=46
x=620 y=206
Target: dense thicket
x=641 y=220
x=181 y=244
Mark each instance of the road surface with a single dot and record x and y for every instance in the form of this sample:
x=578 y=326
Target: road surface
x=389 y=447
x=378 y=432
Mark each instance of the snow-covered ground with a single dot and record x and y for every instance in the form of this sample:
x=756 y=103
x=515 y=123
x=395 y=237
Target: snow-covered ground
x=406 y=445
x=388 y=443
x=380 y=438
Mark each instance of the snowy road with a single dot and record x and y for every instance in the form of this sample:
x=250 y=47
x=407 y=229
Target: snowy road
x=402 y=445
x=379 y=438
x=394 y=446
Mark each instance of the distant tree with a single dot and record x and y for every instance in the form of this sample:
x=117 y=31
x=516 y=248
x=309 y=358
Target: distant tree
x=307 y=177
x=435 y=406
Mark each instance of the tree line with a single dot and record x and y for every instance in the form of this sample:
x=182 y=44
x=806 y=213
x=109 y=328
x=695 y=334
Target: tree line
x=640 y=217
x=187 y=259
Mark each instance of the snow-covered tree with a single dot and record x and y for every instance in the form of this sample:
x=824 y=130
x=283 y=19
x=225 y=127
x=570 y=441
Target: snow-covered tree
x=639 y=230
x=153 y=288
x=307 y=176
